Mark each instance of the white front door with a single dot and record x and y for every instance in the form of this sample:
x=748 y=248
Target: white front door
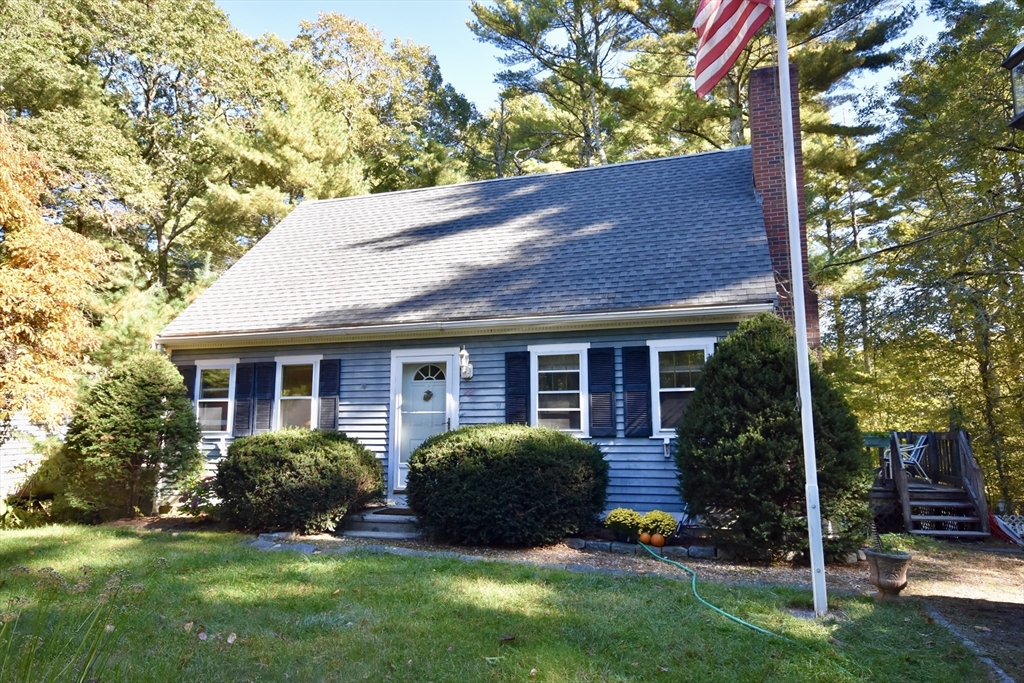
x=423 y=411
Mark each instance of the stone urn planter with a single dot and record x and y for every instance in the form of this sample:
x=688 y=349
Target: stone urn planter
x=887 y=572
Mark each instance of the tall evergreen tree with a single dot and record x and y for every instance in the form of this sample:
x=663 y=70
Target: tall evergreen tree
x=569 y=49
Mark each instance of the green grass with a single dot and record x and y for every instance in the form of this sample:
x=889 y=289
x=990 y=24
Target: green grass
x=380 y=617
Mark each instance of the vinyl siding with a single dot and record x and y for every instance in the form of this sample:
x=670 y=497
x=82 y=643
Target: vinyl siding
x=641 y=476
x=18 y=459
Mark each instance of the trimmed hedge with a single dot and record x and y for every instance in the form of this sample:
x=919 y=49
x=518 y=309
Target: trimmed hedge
x=505 y=484
x=296 y=479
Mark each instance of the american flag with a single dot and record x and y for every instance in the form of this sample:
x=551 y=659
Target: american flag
x=723 y=28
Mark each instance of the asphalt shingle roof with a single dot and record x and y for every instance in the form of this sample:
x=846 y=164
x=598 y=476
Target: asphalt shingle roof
x=676 y=232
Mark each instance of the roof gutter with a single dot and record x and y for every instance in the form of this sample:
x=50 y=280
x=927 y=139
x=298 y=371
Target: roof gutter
x=519 y=325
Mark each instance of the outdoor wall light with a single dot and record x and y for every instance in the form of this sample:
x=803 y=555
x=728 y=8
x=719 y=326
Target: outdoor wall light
x=465 y=367
x=1015 y=63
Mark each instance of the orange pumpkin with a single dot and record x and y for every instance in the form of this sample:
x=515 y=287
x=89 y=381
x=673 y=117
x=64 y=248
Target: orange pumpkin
x=645 y=538
x=657 y=540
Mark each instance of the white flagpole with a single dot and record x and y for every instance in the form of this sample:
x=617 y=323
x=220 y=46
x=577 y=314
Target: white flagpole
x=799 y=313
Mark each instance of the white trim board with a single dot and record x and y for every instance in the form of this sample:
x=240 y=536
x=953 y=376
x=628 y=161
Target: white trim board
x=730 y=313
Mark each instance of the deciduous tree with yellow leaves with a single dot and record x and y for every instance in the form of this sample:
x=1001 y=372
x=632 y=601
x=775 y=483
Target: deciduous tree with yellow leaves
x=47 y=277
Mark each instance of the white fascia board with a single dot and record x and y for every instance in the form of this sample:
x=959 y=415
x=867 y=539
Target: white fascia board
x=520 y=325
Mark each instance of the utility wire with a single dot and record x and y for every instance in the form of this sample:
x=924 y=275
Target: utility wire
x=918 y=240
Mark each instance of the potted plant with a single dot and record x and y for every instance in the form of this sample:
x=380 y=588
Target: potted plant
x=624 y=523
x=660 y=525
x=887 y=565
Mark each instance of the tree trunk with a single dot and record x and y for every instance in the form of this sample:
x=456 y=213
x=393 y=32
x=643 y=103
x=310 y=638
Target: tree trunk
x=499 y=141
x=990 y=391
x=595 y=123
x=732 y=88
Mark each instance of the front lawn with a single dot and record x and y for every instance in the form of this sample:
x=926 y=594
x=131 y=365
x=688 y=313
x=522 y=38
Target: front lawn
x=382 y=617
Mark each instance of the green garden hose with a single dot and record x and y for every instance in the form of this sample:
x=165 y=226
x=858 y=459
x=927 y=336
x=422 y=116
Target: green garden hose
x=693 y=587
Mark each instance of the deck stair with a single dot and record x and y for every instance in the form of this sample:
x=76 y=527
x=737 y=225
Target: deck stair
x=949 y=501
x=384 y=523
x=942 y=511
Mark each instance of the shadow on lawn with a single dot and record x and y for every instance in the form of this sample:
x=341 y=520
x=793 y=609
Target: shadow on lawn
x=457 y=620
x=995 y=627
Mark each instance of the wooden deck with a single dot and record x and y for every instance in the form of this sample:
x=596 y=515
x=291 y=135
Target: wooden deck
x=936 y=489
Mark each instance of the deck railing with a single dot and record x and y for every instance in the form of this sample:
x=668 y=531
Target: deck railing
x=947 y=460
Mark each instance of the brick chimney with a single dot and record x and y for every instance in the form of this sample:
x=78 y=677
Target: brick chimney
x=770 y=183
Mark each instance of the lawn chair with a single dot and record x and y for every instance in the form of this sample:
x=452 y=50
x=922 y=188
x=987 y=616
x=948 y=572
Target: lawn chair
x=912 y=457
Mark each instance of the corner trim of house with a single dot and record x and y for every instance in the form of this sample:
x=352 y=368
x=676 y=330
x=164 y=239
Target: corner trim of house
x=521 y=325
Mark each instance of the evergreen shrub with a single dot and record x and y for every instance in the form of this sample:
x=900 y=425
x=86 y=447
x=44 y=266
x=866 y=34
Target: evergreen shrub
x=132 y=430
x=296 y=479
x=739 y=452
x=504 y=484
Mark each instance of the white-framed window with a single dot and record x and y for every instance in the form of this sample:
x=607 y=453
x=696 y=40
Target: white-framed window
x=215 y=395
x=558 y=387
x=298 y=379
x=676 y=365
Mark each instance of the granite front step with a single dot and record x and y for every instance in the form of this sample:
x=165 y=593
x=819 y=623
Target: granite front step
x=383 y=535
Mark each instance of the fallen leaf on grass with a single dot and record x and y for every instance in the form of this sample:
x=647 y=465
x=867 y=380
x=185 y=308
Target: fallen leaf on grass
x=506 y=638
x=983 y=629
x=202 y=635
x=188 y=627
x=533 y=672
x=663 y=669
x=231 y=638
x=336 y=591
x=450 y=648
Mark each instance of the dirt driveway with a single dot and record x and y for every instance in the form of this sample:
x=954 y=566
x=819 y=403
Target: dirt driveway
x=982 y=594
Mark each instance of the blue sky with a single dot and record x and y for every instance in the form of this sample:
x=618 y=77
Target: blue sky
x=466 y=63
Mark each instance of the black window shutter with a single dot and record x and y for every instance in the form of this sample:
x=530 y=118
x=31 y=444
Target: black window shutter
x=265 y=378
x=517 y=387
x=329 y=391
x=244 y=386
x=636 y=380
x=188 y=378
x=601 y=369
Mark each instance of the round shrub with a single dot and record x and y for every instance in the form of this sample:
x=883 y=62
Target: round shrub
x=624 y=522
x=506 y=485
x=740 y=454
x=658 y=522
x=296 y=479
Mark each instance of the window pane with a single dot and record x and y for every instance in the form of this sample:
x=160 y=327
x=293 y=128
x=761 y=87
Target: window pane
x=566 y=419
x=214 y=383
x=558 y=401
x=568 y=361
x=680 y=369
x=673 y=405
x=558 y=381
x=213 y=416
x=297 y=380
x=295 y=412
